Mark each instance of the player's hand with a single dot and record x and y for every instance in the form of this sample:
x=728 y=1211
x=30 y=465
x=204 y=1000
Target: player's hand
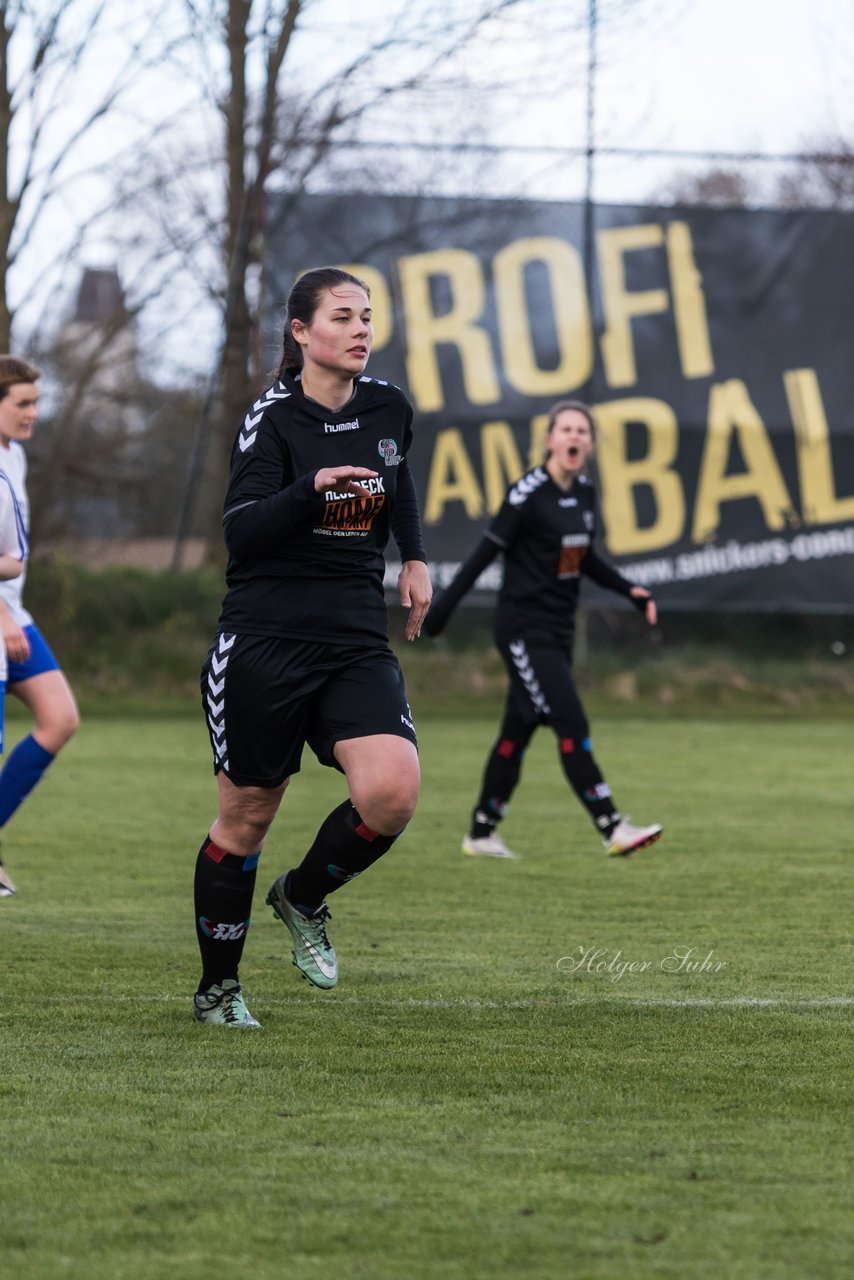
x=416 y=592
x=16 y=642
x=344 y=479
x=645 y=603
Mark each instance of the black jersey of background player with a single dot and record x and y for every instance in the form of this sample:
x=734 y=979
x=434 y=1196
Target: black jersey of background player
x=545 y=533
x=307 y=564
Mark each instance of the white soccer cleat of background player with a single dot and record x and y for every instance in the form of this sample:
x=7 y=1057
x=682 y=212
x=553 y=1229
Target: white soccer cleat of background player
x=491 y=846
x=625 y=838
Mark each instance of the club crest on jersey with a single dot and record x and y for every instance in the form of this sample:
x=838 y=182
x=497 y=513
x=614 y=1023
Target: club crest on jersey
x=387 y=449
x=588 y=520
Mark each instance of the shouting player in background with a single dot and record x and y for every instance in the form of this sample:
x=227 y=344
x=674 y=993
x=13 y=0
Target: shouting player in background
x=319 y=477
x=545 y=528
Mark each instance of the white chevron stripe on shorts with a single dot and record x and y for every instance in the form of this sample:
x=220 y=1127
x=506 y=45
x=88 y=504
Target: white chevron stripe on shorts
x=249 y=430
x=522 y=663
x=215 y=699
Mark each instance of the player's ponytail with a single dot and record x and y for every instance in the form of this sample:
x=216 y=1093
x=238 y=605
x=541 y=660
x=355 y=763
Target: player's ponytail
x=303 y=301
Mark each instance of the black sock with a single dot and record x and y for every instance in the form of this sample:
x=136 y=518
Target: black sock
x=499 y=782
x=584 y=777
x=343 y=848
x=222 y=892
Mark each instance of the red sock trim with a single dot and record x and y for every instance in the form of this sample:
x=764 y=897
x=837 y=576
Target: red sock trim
x=567 y=746
x=506 y=748
x=365 y=832
x=214 y=852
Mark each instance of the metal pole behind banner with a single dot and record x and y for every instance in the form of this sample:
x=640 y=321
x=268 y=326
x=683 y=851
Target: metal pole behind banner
x=590 y=153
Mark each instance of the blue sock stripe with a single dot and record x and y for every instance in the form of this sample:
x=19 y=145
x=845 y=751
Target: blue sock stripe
x=250 y=863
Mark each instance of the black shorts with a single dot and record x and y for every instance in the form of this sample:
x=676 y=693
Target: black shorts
x=542 y=689
x=265 y=697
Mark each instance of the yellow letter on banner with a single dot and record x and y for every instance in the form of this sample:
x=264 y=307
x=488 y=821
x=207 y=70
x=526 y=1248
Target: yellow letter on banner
x=731 y=411
x=689 y=304
x=502 y=465
x=619 y=477
x=452 y=478
x=425 y=331
x=569 y=307
x=619 y=305
x=815 y=461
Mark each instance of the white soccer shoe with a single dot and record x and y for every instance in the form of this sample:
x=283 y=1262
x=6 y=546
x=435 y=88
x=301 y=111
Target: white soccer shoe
x=625 y=838
x=487 y=847
x=7 y=888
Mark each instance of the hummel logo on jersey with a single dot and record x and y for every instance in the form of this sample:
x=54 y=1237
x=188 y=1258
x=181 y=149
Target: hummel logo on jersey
x=567 y=502
x=249 y=430
x=529 y=484
x=331 y=428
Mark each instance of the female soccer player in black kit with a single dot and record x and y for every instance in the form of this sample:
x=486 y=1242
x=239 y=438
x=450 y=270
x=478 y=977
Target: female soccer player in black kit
x=318 y=478
x=545 y=528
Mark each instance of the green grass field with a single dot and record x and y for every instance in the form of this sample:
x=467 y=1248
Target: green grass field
x=471 y=1102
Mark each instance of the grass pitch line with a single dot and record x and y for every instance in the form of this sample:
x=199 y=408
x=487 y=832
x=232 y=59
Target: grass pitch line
x=644 y=1002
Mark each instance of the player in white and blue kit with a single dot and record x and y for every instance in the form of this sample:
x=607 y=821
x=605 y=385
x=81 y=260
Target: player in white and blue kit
x=33 y=671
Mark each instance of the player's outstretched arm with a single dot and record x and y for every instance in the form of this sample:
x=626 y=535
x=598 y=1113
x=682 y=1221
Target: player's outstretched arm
x=467 y=575
x=644 y=602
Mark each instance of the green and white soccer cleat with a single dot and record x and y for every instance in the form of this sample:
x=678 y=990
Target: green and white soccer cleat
x=223 y=1006
x=313 y=953
x=625 y=838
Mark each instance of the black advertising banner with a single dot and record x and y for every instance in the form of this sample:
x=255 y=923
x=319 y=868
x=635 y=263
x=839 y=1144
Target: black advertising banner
x=716 y=351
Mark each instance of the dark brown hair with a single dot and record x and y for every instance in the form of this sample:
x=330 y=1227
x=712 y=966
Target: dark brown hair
x=303 y=301
x=13 y=370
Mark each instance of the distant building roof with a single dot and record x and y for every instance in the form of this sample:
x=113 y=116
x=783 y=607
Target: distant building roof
x=100 y=295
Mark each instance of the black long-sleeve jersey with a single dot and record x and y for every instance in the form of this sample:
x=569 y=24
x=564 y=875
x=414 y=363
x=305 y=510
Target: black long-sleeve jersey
x=310 y=565
x=546 y=535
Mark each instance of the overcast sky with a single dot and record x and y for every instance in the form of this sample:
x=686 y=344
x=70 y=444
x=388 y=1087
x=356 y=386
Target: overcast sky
x=742 y=75
x=673 y=75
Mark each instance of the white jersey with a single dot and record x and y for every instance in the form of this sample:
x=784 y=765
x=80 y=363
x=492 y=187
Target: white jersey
x=14 y=526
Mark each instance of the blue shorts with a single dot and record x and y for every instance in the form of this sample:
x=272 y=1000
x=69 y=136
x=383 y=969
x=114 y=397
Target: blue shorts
x=2 y=712
x=41 y=659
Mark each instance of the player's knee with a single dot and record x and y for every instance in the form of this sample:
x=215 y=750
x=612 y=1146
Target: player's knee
x=69 y=723
x=246 y=815
x=387 y=808
x=58 y=728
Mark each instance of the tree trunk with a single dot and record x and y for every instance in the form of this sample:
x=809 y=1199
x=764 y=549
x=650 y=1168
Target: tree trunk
x=235 y=391
x=7 y=205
